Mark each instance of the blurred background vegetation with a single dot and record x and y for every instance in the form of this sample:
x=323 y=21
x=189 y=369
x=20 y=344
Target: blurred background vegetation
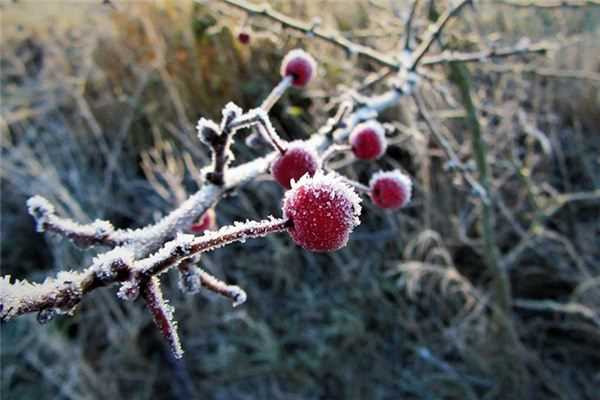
x=99 y=104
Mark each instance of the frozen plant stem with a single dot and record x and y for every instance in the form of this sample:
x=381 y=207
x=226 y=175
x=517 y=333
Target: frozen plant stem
x=502 y=290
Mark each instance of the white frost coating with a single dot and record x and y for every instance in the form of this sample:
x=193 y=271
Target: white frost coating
x=41 y=209
x=20 y=294
x=205 y=125
x=162 y=312
x=398 y=176
x=332 y=186
x=129 y=290
x=104 y=264
x=149 y=239
x=239 y=295
x=189 y=280
x=44 y=213
x=177 y=247
x=230 y=112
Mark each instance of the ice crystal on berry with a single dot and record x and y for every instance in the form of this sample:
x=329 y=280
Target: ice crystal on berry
x=323 y=211
x=390 y=189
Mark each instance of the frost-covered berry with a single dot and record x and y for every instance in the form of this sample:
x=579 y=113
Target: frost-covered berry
x=368 y=140
x=391 y=189
x=297 y=160
x=207 y=221
x=322 y=210
x=300 y=66
x=243 y=37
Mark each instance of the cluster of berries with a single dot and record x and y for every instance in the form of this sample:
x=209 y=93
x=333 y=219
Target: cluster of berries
x=322 y=209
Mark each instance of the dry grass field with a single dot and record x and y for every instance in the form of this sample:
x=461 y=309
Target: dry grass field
x=98 y=108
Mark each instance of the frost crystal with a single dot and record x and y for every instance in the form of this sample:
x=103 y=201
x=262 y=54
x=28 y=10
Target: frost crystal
x=40 y=209
x=162 y=313
x=207 y=129
x=129 y=290
x=230 y=113
x=106 y=265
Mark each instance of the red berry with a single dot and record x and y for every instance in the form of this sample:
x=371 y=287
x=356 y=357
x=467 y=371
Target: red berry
x=207 y=222
x=368 y=140
x=300 y=66
x=391 y=189
x=323 y=212
x=244 y=37
x=294 y=163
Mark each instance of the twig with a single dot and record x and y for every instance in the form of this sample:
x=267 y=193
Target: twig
x=550 y=4
x=434 y=32
x=276 y=93
x=450 y=153
x=479 y=56
x=332 y=37
x=409 y=21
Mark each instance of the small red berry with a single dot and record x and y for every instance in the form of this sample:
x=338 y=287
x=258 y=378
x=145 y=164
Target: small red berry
x=296 y=161
x=300 y=66
x=391 y=189
x=368 y=140
x=323 y=211
x=244 y=37
x=207 y=222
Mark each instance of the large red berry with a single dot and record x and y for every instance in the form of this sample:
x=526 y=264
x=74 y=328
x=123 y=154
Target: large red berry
x=300 y=66
x=207 y=221
x=391 y=189
x=296 y=161
x=323 y=211
x=368 y=140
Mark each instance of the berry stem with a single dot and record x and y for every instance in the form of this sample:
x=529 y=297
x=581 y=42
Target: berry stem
x=332 y=151
x=276 y=93
x=355 y=184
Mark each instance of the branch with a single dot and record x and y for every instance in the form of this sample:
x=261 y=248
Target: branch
x=192 y=278
x=409 y=21
x=97 y=233
x=448 y=56
x=332 y=37
x=434 y=32
x=550 y=4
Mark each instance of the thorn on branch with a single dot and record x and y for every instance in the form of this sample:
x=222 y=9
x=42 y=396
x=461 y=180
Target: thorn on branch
x=162 y=313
